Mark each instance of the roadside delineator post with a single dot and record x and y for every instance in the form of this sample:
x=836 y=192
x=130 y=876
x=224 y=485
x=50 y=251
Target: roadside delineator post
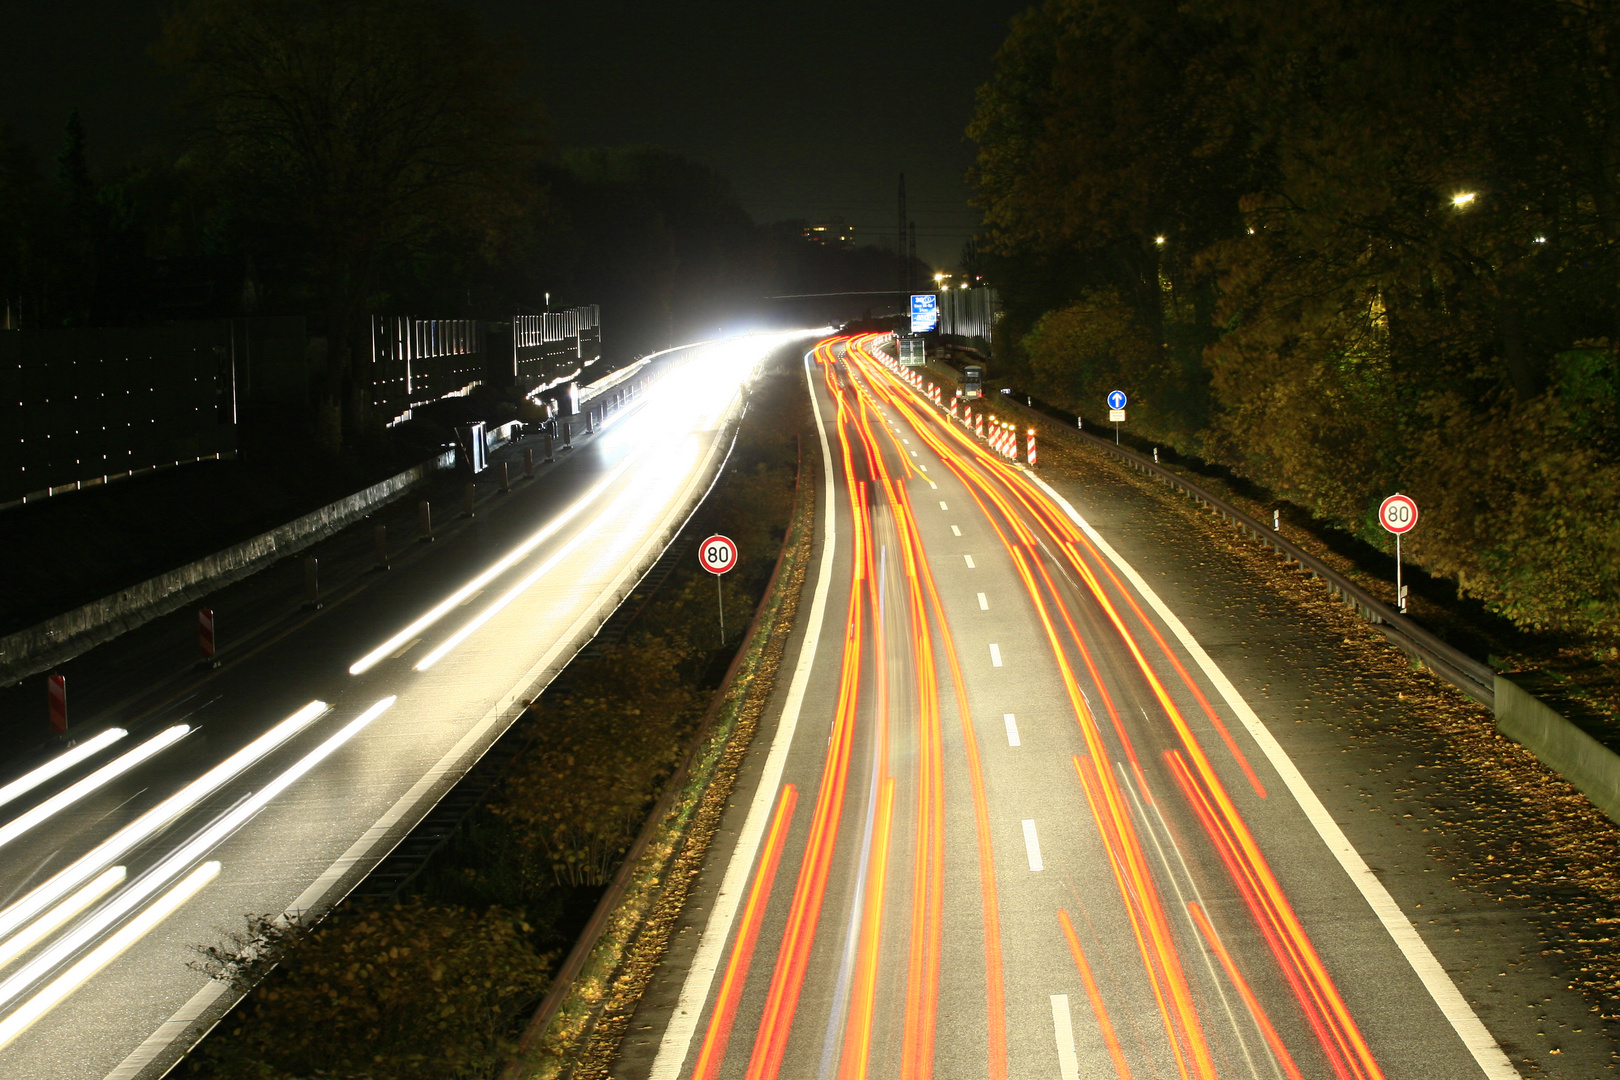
x=424 y=521
x=56 y=694
x=205 y=636
x=500 y=470
x=379 y=542
x=312 y=583
x=470 y=493
x=548 y=445
x=590 y=422
x=528 y=462
x=568 y=433
x=1029 y=447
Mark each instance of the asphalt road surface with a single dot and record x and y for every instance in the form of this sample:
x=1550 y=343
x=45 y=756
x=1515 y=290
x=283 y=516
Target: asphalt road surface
x=1012 y=819
x=274 y=783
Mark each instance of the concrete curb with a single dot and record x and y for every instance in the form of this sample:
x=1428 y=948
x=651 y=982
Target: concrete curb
x=62 y=637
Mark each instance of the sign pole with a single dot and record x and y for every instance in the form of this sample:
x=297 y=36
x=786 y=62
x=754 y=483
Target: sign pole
x=1398 y=514
x=717 y=555
x=1400 y=590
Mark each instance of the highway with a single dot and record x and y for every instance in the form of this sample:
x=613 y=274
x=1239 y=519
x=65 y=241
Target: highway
x=1011 y=819
x=276 y=782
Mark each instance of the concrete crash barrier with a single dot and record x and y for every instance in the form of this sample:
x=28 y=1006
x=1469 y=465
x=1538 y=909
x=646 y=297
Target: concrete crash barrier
x=1590 y=766
x=62 y=637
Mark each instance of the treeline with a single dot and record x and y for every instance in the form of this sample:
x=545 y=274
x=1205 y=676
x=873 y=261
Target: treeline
x=380 y=156
x=1344 y=247
x=438 y=987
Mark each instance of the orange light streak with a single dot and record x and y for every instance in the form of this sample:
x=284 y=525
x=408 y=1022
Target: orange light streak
x=858 y=1031
x=1104 y=1025
x=713 y=1050
x=1262 y=1021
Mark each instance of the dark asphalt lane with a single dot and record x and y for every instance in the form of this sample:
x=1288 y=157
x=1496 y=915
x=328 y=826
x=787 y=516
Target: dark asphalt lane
x=1240 y=1012
x=316 y=840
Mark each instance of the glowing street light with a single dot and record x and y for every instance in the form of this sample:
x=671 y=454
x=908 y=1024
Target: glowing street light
x=1159 y=240
x=1462 y=199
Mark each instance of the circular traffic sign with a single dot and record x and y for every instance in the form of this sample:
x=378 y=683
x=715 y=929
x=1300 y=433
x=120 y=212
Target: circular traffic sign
x=1398 y=514
x=717 y=554
x=1116 y=399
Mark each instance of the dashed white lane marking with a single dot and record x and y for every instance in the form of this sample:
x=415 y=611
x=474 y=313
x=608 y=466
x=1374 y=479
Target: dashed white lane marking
x=923 y=467
x=969 y=559
x=984 y=602
x=1068 y=1061
x=956 y=530
x=1464 y=1021
x=1032 y=845
x=914 y=453
x=995 y=655
x=1012 y=729
x=942 y=505
x=405 y=648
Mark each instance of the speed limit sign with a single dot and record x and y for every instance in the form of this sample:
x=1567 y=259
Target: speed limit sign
x=1398 y=514
x=718 y=554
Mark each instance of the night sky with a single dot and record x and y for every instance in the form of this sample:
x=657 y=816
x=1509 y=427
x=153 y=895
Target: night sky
x=811 y=110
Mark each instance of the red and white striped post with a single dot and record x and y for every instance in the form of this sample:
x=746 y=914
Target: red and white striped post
x=978 y=424
x=56 y=691
x=205 y=632
x=1029 y=446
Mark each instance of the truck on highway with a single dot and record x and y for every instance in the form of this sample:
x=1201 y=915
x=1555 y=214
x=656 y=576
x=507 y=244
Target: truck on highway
x=972 y=381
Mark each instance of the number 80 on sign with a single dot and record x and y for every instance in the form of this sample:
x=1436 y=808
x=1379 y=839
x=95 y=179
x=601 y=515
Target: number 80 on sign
x=717 y=554
x=1398 y=514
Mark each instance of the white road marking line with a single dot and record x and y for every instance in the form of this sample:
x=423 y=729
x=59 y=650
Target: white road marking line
x=969 y=559
x=1068 y=1061
x=405 y=648
x=1012 y=729
x=470 y=598
x=923 y=467
x=677 y=1040
x=914 y=453
x=1032 y=845
x=942 y=505
x=1464 y=1021
x=956 y=530
x=995 y=655
x=984 y=604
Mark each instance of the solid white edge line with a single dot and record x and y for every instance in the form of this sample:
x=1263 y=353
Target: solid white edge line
x=1464 y=1021
x=677 y=1040
x=1032 y=846
x=1063 y=1028
x=205 y=1003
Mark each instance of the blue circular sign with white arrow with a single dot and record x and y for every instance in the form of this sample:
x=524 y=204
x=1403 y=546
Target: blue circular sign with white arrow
x=1116 y=399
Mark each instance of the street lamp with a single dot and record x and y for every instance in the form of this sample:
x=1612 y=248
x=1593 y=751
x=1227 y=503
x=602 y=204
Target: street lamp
x=1462 y=199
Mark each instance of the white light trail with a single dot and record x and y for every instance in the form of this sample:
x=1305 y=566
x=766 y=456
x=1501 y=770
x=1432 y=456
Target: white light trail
x=630 y=496
x=104 y=775
x=104 y=954
x=58 y=765
x=371 y=659
x=176 y=863
x=110 y=850
x=42 y=928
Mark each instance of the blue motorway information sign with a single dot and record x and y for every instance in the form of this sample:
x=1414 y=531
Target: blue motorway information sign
x=924 y=313
x=1116 y=399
